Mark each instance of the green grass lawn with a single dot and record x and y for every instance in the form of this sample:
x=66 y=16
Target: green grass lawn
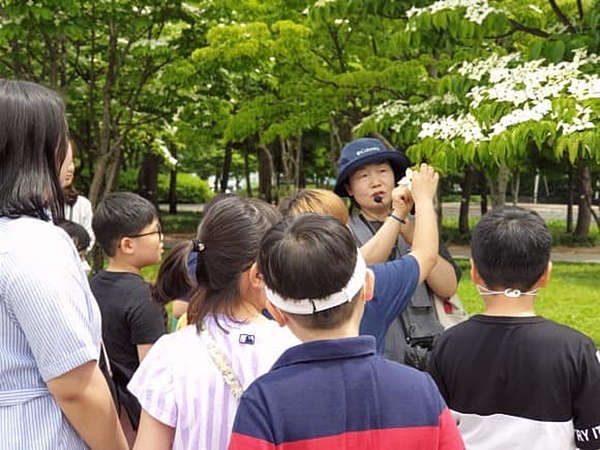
x=572 y=297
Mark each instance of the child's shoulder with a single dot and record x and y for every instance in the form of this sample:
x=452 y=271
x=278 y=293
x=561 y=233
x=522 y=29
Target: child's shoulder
x=566 y=334
x=23 y=238
x=128 y=284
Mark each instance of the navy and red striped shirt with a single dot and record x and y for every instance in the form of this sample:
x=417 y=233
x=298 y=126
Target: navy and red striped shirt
x=341 y=394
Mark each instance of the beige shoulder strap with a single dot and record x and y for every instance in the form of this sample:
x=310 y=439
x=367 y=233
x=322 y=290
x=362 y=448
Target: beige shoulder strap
x=218 y=357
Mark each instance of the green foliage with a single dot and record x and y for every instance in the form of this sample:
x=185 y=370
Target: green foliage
x=128 y=181
x=182 y=223
x=190 y=188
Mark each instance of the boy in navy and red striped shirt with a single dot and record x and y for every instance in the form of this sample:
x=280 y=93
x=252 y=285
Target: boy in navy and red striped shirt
x=333 y=390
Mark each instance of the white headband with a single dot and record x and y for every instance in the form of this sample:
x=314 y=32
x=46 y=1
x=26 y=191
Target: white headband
x=309 y=306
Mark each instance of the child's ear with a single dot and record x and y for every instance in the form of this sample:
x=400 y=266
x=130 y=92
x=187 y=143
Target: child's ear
x=545 y=277
x=276 y=313
x=369 y=286
x=254 y=276
x=126 y=245
x=475 y=277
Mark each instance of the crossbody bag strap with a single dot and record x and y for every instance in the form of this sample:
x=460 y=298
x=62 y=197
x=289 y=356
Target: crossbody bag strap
x=218 y=357
x=368 y=232
x=106 y=360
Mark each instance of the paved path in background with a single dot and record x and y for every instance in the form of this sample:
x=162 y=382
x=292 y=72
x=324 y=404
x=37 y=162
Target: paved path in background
x=451 y=209
x=547 y=211
x=559 y=254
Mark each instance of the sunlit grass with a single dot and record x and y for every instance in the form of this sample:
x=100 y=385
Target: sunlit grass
x=572 y=297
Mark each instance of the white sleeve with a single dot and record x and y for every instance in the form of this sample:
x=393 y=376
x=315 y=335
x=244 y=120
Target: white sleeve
x=85 y=210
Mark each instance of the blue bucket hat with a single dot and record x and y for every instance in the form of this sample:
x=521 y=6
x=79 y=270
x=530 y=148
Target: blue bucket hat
x=361 y=152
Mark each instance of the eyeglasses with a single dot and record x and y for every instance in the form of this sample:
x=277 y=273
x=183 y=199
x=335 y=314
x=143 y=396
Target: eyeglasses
x=150 y=233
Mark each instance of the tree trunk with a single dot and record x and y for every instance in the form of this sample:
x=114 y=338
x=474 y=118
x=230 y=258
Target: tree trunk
x=483 y=188
x=287 y=163
x=148 y=178
x=99 y=188
x=298 y=171
x=112 y=174
x=498 y=186
x=584 y=187
x=247 y=169
x=291 y=161
x=173 y=181
x=570 y=202
x=216 y=183
x=340 y=135
x=265 y=174
x=173 y=191
x=465 y=200
x=515 y=186
x=226 y=167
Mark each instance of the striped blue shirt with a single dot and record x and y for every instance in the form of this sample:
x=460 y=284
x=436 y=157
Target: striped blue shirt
x=49 y=325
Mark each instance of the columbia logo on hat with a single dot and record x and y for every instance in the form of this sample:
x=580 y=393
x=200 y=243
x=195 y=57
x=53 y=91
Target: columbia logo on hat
x=366 y=150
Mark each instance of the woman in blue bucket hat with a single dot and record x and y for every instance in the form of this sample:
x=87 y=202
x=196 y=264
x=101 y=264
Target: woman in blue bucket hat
x=368 y=173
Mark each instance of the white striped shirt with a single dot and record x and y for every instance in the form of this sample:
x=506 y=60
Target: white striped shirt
x=179 y=384
x=49 y=325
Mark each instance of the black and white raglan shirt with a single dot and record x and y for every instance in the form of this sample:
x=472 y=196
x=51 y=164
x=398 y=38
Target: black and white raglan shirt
x=520 y=383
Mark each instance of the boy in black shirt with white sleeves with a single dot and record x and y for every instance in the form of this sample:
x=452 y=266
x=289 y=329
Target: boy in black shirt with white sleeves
x=512 y=378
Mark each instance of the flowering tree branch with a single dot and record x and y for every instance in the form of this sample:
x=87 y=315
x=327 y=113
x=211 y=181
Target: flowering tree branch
x=534 y=31
x=562 y=17
x=580 y=9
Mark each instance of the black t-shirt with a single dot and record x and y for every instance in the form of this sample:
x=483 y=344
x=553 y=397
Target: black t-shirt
x=129 y=318
x=509 y=377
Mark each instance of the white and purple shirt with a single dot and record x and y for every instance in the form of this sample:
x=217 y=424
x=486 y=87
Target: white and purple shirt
x=179 y=384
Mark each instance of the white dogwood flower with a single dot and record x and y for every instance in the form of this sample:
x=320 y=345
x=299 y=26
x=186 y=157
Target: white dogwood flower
x=475 y=10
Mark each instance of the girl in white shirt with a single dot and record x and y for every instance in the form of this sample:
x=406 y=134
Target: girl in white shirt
x=191 y=380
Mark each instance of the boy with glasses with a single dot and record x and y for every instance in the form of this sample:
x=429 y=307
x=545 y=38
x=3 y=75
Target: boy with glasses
x=127 y=228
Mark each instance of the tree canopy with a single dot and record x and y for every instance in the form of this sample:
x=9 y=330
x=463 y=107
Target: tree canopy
x=226 y=88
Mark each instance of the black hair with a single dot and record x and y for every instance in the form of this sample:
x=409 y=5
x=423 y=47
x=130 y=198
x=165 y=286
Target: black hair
x=229 y=237
x=78 y=233
x=511 y=248
x=33 y=147
x=119 y=215
x=310 y=256
x=174 y=280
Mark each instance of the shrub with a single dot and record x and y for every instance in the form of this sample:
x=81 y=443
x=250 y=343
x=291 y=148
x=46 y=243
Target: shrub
x=190 y=189
x=128 y=181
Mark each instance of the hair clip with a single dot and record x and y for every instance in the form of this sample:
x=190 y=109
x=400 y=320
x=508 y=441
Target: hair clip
x=197 y=246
